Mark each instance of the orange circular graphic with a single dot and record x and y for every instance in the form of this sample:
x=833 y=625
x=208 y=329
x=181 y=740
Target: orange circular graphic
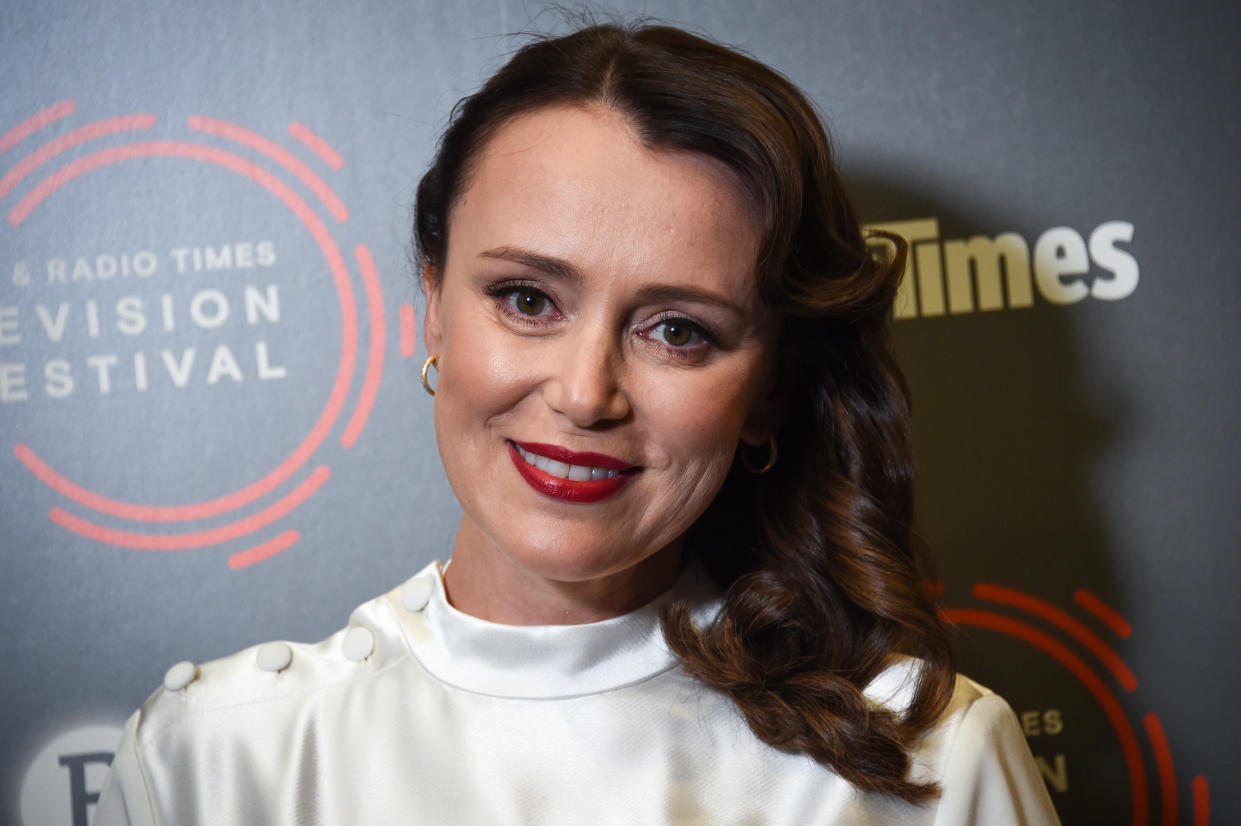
x=281 y=173
x=1065 y=645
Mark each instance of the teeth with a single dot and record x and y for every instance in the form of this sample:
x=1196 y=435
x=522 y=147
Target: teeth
x=575 y=473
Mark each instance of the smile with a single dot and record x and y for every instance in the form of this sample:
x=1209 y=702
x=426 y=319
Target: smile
x=564 y=470
x=568 y=475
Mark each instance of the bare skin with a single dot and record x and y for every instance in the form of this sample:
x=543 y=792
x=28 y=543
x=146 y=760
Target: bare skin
x=596 y=296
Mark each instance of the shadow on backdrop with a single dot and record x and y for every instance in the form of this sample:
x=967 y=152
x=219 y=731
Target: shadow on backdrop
x=1009 y=432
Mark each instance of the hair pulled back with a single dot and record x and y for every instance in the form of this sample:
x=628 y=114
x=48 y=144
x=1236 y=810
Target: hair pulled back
x=824 y=582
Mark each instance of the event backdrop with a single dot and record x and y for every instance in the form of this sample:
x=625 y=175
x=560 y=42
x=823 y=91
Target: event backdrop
x=213 y=433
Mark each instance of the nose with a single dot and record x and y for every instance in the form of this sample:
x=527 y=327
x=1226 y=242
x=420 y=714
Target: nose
x=585 y=379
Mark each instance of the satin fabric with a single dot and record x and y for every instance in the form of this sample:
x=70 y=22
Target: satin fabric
x=454 y=720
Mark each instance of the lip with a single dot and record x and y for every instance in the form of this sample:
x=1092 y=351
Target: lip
x=569 y=490
x=573 y=457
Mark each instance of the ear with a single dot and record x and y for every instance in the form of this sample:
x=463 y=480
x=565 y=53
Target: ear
x=771 y=404
x=760 y=423
x=766 y=413
x=431 y=331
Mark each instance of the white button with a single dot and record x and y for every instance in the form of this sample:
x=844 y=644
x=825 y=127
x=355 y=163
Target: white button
x=359 y=643
x=275 y=656
x=180 y=675
x=416 y=595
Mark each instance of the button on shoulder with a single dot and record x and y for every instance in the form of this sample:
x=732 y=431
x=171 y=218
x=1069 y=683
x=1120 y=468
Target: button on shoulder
x=279 y=672
x=180 y=676
x=274 y=656
x=358 y=643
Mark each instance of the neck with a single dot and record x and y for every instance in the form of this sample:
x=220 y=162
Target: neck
x=487 y=583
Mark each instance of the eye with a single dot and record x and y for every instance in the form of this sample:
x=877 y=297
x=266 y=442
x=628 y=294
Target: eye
x=678 y=333
x=528 y=301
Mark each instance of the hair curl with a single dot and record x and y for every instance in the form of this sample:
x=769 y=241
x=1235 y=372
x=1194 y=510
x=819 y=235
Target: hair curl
x=824 y=581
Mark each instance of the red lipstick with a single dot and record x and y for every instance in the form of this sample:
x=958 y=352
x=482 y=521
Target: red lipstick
x=570 y=490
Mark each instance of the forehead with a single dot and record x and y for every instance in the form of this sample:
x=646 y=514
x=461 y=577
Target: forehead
x=575 y=182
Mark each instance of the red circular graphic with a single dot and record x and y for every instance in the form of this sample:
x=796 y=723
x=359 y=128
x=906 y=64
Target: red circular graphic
x=1113 y=664
x=330 y=414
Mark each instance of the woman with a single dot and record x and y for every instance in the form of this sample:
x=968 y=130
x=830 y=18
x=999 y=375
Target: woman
x=684 y=588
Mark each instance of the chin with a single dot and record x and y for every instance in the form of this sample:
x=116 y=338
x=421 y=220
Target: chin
x=568 y=556
x=567 y=562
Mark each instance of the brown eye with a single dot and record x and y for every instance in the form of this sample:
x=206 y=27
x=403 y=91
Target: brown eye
x=528 y=302
x=676 y=333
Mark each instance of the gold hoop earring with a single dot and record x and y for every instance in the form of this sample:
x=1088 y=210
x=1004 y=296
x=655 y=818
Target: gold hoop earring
x=771 y=459
x=433 y=360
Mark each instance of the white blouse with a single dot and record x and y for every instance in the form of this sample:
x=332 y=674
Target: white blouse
x=417 y=713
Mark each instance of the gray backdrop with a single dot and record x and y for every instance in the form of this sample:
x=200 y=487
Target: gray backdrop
x=213 y=433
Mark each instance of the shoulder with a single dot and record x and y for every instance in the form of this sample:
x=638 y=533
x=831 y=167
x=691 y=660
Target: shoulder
x=973 y=711
x=208 y=720
x=976 y=753
x=975 y=719
x=893 y=690
x=279 y=673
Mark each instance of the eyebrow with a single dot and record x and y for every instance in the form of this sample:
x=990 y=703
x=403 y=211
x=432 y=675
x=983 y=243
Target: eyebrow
x=559 y=268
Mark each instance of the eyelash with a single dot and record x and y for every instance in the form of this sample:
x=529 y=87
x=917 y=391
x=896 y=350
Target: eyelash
x=505 y=292
x=707 y=339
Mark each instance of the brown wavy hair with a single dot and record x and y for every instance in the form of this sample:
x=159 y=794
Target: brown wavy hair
x=825 y=584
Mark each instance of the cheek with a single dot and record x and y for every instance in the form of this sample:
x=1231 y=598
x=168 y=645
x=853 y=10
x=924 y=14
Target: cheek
x=696 y=419
x=482 y=376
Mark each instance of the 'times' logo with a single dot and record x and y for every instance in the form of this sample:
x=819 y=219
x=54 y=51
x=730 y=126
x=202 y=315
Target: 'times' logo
x=983 y=273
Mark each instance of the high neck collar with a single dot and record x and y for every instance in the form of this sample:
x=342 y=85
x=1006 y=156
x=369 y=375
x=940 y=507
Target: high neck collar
x=547 y=661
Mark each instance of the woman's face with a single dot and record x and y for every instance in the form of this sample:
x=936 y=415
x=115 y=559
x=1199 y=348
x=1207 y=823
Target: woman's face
x=602 y=347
